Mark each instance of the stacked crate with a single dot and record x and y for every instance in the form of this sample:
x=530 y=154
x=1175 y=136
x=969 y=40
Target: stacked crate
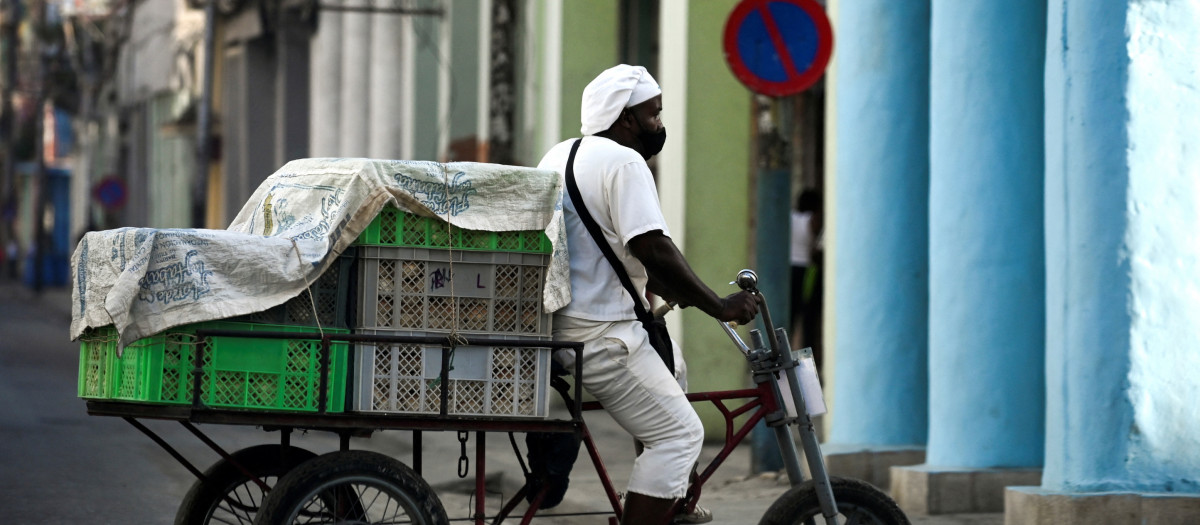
x=421 y=276
x=325 y=303
x=237 y=372
x=406 y=275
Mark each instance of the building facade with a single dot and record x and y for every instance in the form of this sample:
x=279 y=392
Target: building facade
x=1011 y=208
x=1010 y=193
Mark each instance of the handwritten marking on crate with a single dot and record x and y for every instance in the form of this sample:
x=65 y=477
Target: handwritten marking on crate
x=475 y=281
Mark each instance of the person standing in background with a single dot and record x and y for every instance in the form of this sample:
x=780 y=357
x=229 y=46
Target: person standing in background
x=807 y=255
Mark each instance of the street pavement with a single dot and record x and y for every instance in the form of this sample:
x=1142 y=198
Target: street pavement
x=60 y=465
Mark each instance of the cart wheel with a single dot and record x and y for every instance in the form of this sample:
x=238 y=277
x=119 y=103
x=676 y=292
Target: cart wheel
x=354 y=486
x=857 y=502
x=228 y=496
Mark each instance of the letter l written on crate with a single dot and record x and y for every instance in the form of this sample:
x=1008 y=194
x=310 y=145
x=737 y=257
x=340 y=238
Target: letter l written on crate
x=441 y=282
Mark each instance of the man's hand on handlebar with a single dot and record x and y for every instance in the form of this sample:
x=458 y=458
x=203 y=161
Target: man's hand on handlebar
x=740 y=307
x=670 y=276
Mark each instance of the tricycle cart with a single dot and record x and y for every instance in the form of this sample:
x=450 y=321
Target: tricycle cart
x=281 y=484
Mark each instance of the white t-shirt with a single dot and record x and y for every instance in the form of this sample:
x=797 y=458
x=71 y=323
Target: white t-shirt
x=801 y=238
x=619 y=192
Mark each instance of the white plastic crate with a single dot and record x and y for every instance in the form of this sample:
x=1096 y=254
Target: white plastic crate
x=402 y=378
x=489 y=293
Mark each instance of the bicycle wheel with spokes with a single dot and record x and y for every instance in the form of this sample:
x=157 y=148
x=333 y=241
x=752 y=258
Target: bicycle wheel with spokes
x=858 y=502
x=356 y=486
x=227 y=495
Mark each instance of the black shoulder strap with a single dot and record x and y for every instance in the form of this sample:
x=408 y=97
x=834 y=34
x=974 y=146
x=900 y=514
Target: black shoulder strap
x=598 y=236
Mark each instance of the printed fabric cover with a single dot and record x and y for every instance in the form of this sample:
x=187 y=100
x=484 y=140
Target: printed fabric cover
x=144 y=280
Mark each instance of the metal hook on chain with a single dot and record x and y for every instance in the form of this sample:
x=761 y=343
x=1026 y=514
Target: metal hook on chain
x=463 y=462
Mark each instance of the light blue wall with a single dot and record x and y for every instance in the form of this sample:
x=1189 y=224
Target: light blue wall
x=986 y=255
x=1087 y=329
x=881 y=207
x=1163 y=241
x=1123 y=293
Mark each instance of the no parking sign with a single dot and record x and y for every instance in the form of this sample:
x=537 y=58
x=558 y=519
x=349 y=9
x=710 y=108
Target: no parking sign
x=111 y=192
x=778 y=47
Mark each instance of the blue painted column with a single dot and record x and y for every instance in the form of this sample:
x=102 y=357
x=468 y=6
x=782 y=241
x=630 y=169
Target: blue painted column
x=882 y=169
x=1086 y=184
x=1123 y=253
x=986 y=246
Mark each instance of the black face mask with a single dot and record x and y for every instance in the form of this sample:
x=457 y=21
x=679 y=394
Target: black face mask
x=652 y=141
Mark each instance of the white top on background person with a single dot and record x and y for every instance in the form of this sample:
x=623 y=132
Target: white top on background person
x=802 y=238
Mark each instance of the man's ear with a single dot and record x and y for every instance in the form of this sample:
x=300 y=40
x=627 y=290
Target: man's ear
x=625 y=118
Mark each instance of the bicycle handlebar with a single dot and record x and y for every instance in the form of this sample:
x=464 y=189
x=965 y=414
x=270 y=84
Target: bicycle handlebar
x=747 y=280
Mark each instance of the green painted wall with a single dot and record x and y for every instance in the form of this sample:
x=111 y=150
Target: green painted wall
x=718 y=194
x=590 y=45
x=426 y=70
x=464 y=72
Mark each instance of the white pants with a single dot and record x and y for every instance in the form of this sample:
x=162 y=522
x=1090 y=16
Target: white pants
x=622 y=371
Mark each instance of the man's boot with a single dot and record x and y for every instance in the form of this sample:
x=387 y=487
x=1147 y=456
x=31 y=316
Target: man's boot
x=641 y=509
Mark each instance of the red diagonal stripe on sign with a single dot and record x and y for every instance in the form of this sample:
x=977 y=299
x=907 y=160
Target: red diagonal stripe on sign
x=777 y=39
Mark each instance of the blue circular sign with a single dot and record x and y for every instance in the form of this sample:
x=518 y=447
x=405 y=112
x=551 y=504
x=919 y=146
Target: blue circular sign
x=778 y=47
x=111 y=192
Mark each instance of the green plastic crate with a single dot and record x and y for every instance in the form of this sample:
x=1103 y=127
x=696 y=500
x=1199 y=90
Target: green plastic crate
x=96 y=346
x=393 y=227
x=239 y=372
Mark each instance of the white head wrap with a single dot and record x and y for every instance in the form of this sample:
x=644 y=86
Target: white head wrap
x=615 y=89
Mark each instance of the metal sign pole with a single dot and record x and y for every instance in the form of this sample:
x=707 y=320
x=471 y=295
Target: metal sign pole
x=204 y=120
